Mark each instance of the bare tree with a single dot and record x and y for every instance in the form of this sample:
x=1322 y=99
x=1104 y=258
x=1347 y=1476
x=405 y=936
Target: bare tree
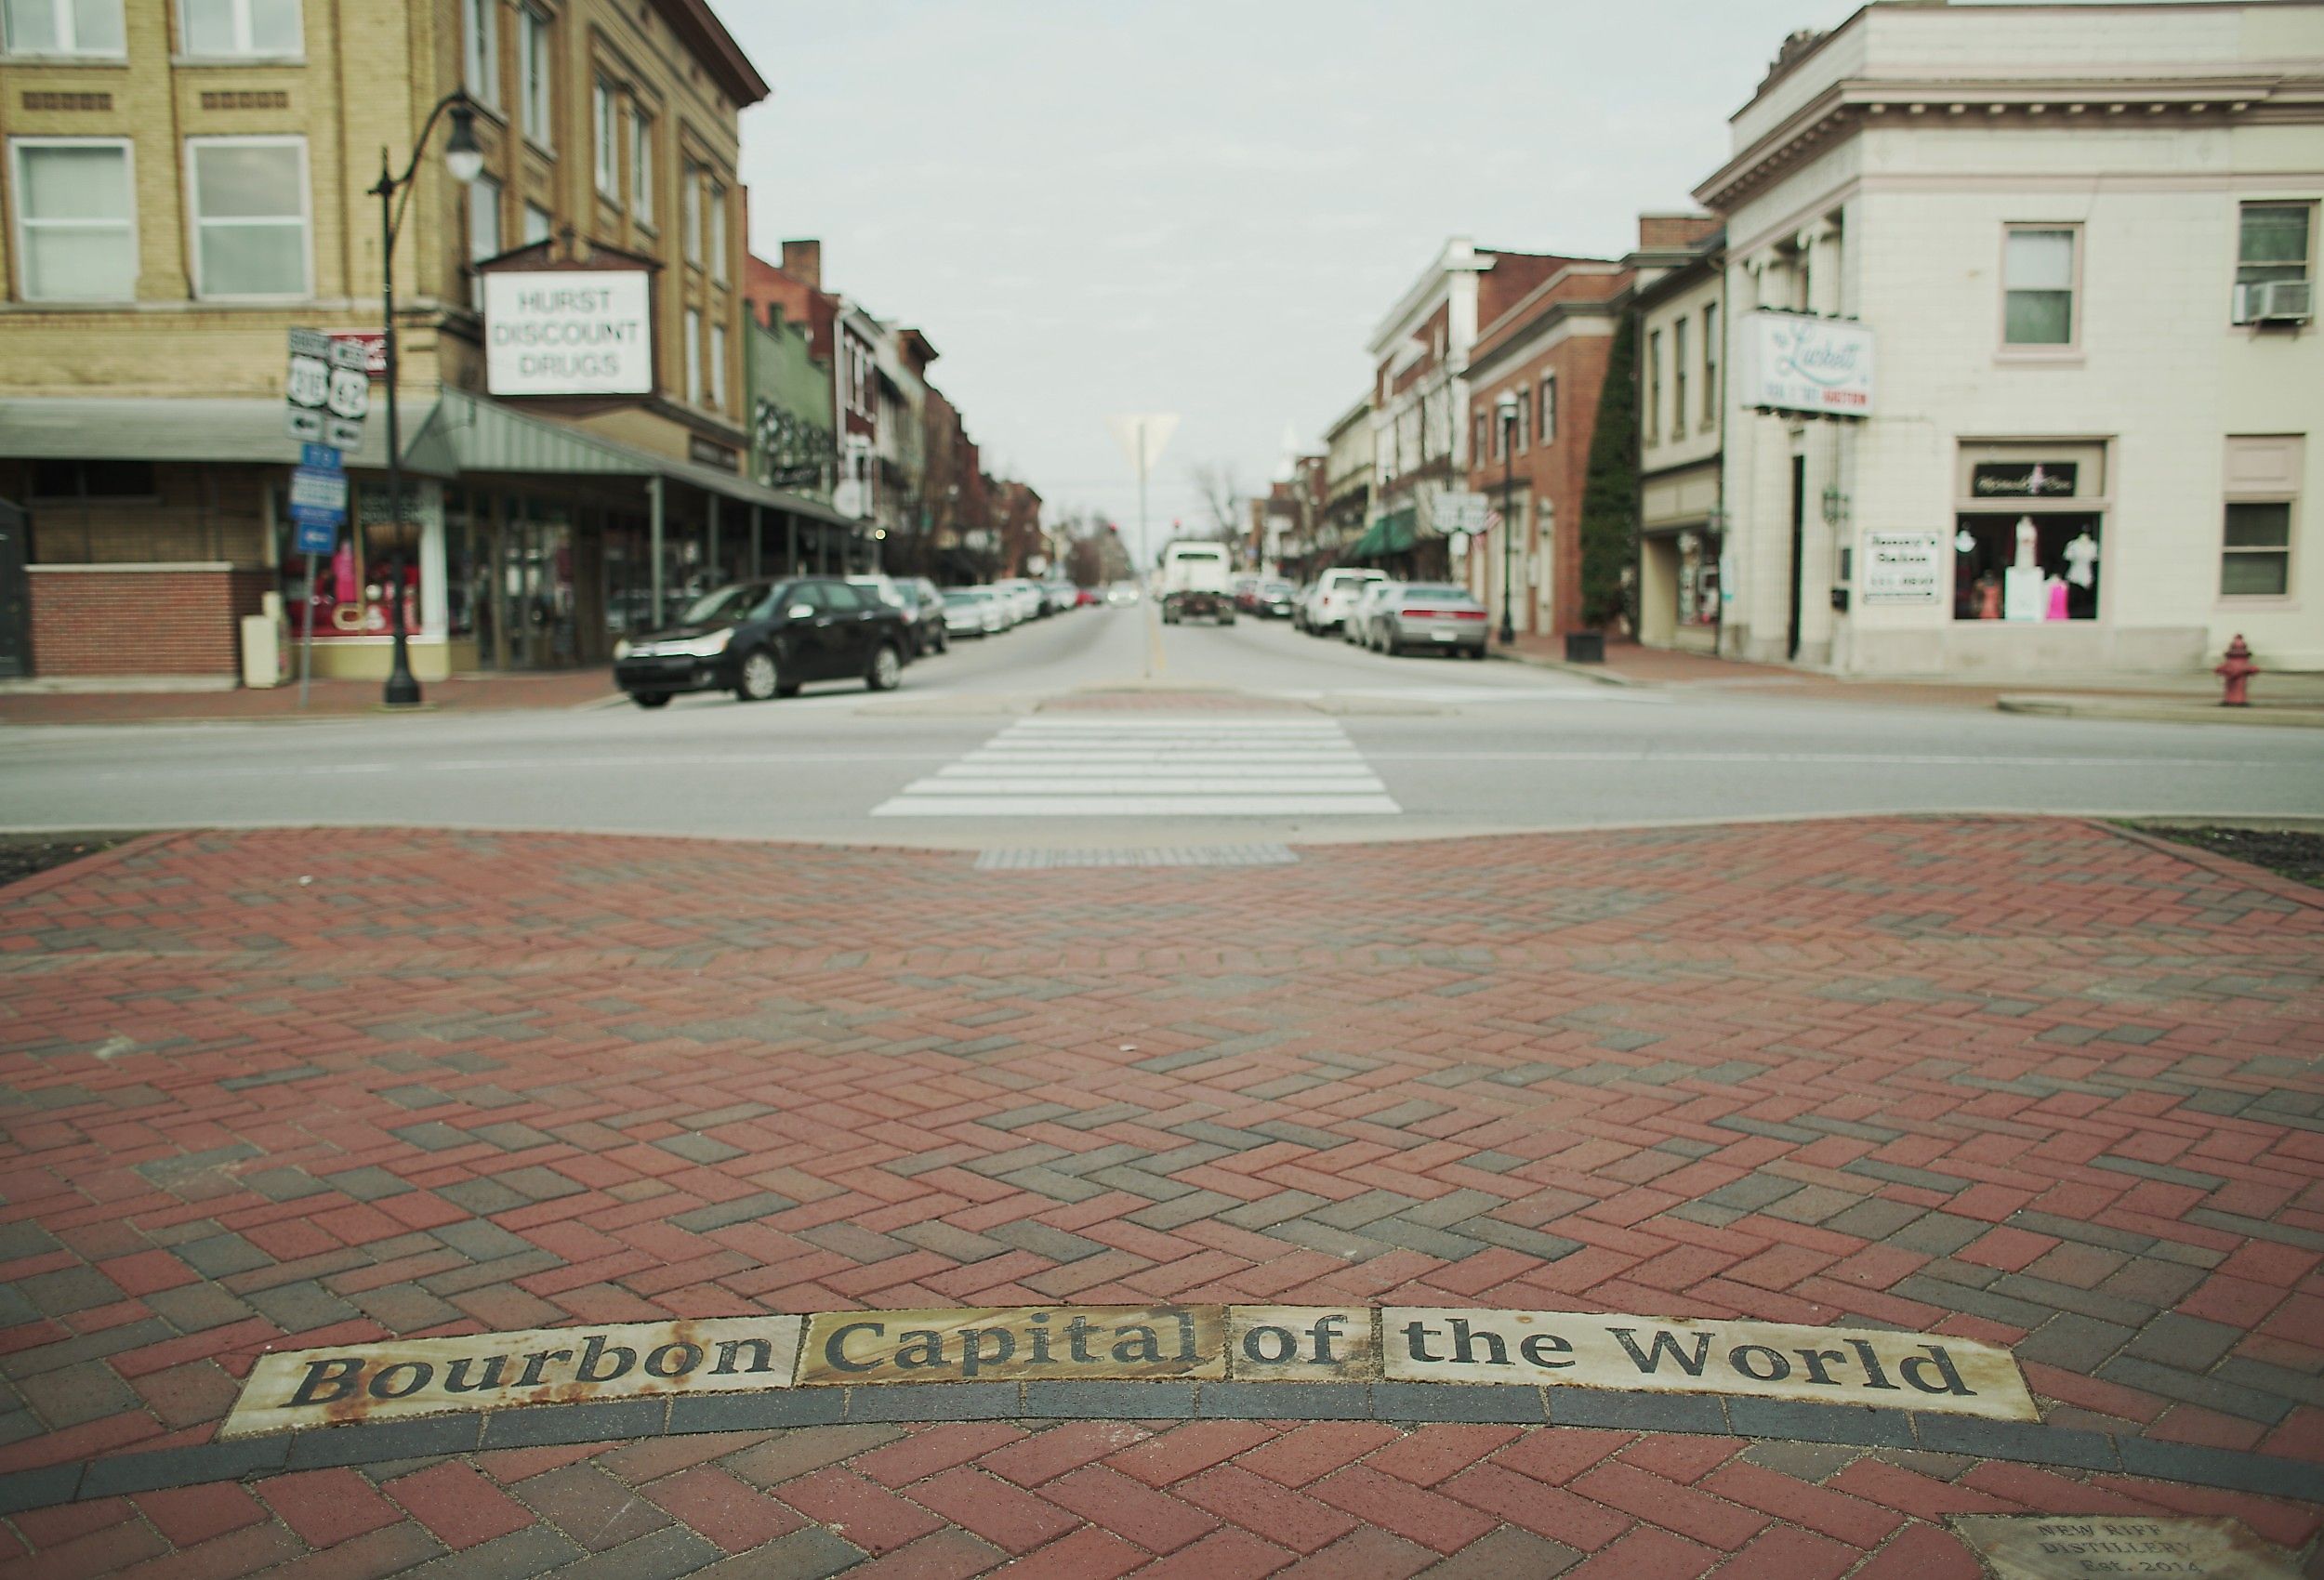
x=1222 y=496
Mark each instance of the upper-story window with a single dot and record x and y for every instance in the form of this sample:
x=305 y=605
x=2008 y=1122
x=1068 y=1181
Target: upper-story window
x=248 y=197
x=1477 y=451
x=1678 y=378
x=689 y=197
x=2037 y=287
x=1654 y=387
x=62 y=27
x=601 y=131
x=480 y=46
x=483 y=218
x=2274 y=244
x=641 y=167
x=1549 y=408
x=75 y=219
x=1711 y=364
x=714 y=196
x=694 y=357
x=1524 y=420
x=718 y=366
x=535 y=77
x=241 y=27
x=538 y=222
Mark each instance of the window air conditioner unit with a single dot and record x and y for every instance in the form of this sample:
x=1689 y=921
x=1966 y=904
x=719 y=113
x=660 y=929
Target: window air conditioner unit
x=2281 y=301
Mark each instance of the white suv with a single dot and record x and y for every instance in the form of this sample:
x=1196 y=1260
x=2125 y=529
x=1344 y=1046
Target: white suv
x=1329 y=601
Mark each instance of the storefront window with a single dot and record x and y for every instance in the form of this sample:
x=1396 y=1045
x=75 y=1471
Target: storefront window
x=463 y=565
x=2026 y=567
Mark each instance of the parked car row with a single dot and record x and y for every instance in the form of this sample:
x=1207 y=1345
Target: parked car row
x=1266 y=598
x=1392 y=618
x=767 y=638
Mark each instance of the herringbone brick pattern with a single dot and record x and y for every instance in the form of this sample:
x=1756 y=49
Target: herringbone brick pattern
x=2030 y=1082
x=1095 y=1499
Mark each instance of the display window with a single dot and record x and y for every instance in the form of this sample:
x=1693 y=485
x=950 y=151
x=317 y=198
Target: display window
x=2029 y=532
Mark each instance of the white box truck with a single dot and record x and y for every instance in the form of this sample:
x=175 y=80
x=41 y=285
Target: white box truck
x=1195 y=583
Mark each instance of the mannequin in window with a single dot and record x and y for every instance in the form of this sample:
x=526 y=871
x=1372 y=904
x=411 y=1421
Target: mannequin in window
x=2081 y=560
x=2029 y=542
x=1989 y=597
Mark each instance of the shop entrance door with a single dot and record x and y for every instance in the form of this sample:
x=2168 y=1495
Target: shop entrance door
x=16 y=595
x=536 y=582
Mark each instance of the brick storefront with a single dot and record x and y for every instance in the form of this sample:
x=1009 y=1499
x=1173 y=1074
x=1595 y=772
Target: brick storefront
x=141 y=620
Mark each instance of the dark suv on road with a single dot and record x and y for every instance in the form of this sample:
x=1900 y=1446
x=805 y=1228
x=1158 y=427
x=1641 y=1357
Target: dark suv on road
x=762 y=640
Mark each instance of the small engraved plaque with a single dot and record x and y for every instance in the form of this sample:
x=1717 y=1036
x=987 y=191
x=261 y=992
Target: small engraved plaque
x=2092 y=1546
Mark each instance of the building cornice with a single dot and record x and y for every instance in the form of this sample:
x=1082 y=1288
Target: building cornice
x=2060 y=103
x=1526 y=338
x=1461 y=255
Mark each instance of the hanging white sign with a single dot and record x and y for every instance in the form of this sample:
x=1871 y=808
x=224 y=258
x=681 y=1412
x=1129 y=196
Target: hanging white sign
x=568 y=332
x=1789 y=362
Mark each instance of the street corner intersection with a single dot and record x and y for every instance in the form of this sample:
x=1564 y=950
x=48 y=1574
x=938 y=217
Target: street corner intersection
x=1885 y=1197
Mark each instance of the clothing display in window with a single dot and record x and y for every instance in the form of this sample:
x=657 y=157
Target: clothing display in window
x=2081 y=562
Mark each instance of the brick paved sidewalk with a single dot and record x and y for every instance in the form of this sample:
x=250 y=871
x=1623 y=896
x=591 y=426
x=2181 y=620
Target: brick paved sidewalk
x=326 y=698
x=1630 y=663
x=2039 y=1084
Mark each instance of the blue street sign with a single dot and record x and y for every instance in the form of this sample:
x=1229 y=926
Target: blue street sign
x=316 y=535
x=322 y=457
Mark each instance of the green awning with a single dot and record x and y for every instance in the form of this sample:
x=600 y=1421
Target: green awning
x=454 y=432
x=1392 y=534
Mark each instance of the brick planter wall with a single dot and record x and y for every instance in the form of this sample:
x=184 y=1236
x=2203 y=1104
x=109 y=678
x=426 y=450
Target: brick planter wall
x=138 y=620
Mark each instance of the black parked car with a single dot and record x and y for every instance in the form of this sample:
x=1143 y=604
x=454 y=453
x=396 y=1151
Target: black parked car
x=762 y=640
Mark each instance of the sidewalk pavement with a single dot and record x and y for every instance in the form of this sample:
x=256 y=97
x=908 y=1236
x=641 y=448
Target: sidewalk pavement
x=2043 y=1084
x=327 y=699
x=2179 y=698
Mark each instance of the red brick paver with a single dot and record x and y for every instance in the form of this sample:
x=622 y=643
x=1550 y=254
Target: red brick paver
x=2030 y=1082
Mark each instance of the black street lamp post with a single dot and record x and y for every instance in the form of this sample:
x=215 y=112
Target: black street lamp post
x=1505 y=407
x=465 y=162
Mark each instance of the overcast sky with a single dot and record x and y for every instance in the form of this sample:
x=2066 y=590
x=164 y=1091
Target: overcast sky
x=1205 y=206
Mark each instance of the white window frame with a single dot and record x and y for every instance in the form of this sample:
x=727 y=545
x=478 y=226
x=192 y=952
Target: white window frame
x=718 y=366
x=1678 y=377
x=714 y=202
x=694 y=356
x=1525 y=418
x=243 y=48
x=1654 y=387
x=535 y=47
x=690 y=205
x=2284 y=491
x=2307 y=264
x=2038 y=350
x=1710 y=365
x=499 y=203
x=24 y=221
x=480 y=51
x=306 y=215
x=1546 y=416
x=641 y=165
x=603 y=117
x=62 y=15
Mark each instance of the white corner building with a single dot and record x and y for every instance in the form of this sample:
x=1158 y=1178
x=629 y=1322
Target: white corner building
x=2023 y=375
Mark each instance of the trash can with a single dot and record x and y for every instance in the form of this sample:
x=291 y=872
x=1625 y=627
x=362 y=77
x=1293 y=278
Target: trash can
x=1585 y=647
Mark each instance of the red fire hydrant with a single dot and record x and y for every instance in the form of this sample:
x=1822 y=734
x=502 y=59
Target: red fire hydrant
x=2238 y=671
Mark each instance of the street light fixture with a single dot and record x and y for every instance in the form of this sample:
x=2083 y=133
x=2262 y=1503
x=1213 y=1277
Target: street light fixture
x=463 y=160
x=1507 y=408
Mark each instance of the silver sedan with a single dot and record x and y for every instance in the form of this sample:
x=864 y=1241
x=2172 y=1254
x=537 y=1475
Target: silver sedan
x=1426 y=617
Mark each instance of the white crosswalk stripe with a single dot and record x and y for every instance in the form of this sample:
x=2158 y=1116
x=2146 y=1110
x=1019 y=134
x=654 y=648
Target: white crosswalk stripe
x=1170 y=766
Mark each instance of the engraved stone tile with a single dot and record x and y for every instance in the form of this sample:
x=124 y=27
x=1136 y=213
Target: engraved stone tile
x=2044 y=1548
x=1036 y=1342
x=1675 y=1355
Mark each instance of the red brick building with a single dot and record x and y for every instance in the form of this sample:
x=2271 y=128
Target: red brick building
x=1544 y=348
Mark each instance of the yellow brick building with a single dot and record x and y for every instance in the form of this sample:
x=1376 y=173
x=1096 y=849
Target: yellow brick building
x=185 y=181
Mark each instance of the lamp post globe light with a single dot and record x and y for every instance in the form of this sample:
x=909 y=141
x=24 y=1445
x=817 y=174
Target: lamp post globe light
x=1506 y=409
x=463 y=160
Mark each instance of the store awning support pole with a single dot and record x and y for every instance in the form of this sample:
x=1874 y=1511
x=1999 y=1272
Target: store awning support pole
x=754 y=543
x=654 y=546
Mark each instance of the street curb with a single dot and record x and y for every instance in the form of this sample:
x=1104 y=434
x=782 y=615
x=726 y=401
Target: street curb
x=2267 y=1475
x=1581 y=671
x=81 y=866
x=2161 y=713
x=2225 y=866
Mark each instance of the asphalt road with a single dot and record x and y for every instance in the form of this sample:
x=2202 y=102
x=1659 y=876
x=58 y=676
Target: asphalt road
x=1012 y=741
